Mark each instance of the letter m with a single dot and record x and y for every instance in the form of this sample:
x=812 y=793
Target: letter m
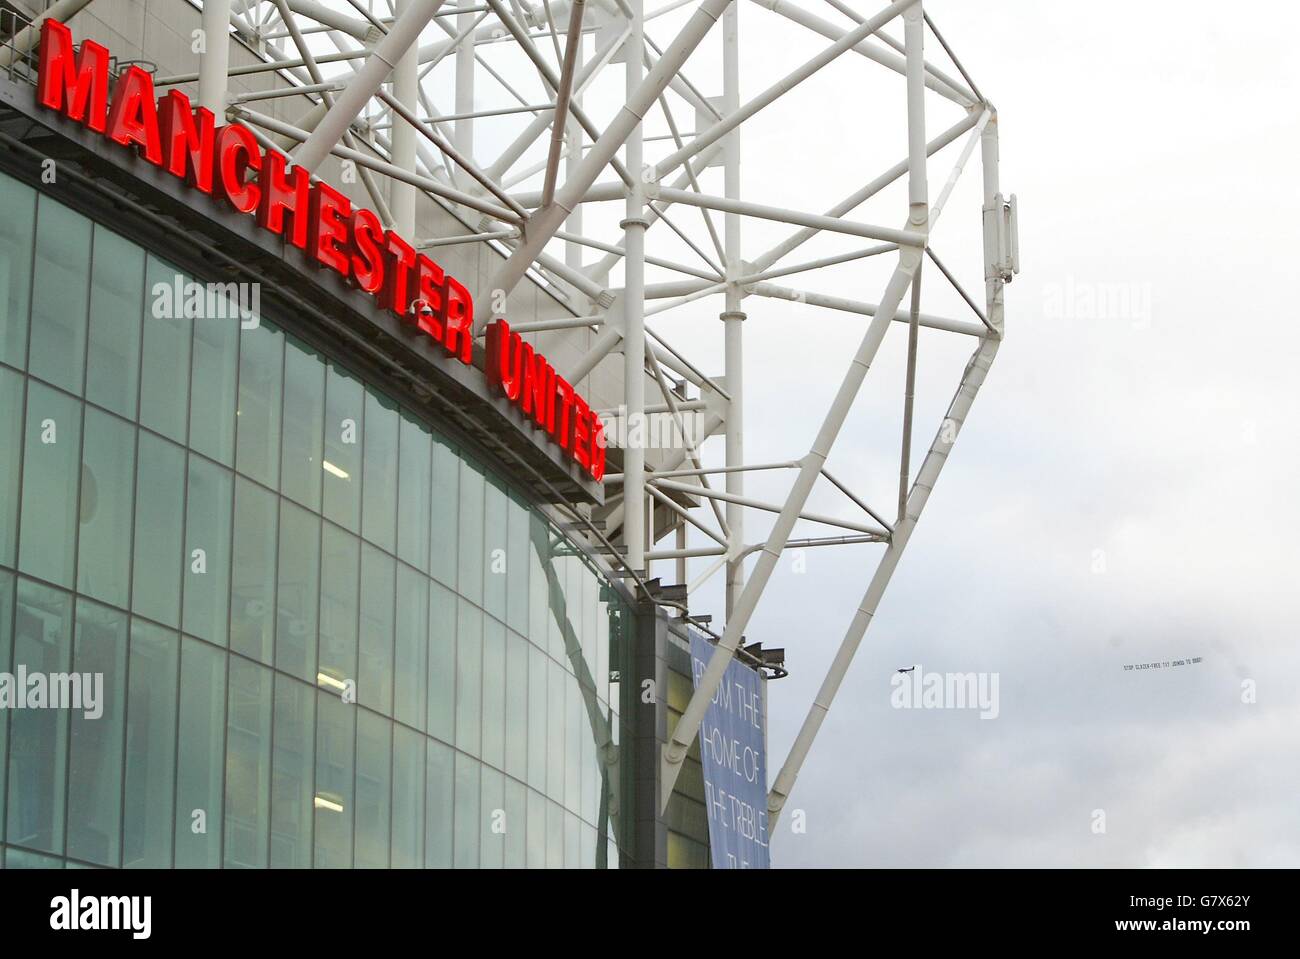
x=73 y=83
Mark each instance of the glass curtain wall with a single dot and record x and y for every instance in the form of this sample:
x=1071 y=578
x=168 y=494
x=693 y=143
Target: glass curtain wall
x=326 y=635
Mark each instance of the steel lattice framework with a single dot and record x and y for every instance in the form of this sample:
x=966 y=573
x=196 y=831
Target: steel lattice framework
x=367 y=65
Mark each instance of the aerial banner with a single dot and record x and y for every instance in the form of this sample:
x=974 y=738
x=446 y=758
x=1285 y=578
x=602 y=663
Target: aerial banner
x=734 y=758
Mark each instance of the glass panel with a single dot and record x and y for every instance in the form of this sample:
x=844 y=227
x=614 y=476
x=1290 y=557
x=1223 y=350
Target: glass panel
x=20 y=859
x=554 y=836
x=442 y=663
x=17 y=224
x=6 y=665
x=292 y=774
x=536 y=852
x=297 y=597
x=344 y=415
x=572 y=744
x=438 y=797
x=467 y=812
x=336 y=730
x=444 y=511
x=375 y=669
x=248 y=765
x=165 y=360
x=340 y=569
x=515 y=680
x=411 y=655
x=587 y=834
x=379 y=487
x=39 y=736
x=95 y=750
x=11 y=438
x=116 y=310
x=374 y=790
x=539 y=583
x=159 y=510
x=494 y=692
x=604 y=610
x=207 y=551
x=538 y=678
x=469 y=677
x=49 y=512
x=61 y=294
x=261 y=370
x=556 y=729
x=470 y=577
x=408 y=798
x=493 y=823
x=572 y=841
x=107 y=507
x=416 y=463
x=517 y=565
x=201 y=755
x=516 y=825
x=216 y=371
x=304 y=421
x=150 y=747
x=252 y=592
x=494 y=545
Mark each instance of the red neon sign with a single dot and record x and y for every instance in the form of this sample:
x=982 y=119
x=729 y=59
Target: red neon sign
x=228 y=163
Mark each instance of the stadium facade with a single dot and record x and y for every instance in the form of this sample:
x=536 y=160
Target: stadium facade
x=338 y=525
x=322 y=560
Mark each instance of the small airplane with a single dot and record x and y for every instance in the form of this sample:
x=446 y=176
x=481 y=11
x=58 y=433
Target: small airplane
x=907 y=669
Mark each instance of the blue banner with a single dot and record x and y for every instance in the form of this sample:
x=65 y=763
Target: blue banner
x=734 y=757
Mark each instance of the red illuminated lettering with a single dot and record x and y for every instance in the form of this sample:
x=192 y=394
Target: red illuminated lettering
x=561 y=429
x=76 y=86
x=597 y=469
x=581 y=432
x=429 y=280
x=505 y=356
x=285 y=193
x=133 y=118
x=329 y=226
x=236 y=154
x=538 y=389
x=187 y=138
x=459 y=308
x=400 y=260
x=367 y=250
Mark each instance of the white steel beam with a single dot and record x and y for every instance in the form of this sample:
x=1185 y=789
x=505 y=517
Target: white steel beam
x=688 y=726
x=373 y=72
x=549 y=218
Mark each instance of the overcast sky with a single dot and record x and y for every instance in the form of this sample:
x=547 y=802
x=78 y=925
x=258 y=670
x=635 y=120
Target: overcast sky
x=1125 y=490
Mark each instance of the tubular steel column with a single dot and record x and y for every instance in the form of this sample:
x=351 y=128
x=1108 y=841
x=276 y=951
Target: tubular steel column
x=909 y=260
x=366 y=82
x=406 y=90
x=972 y=379
x=733 y=319
x=574 y=140
x=634 y=228
x=463 y=132
x=547 y=220
x=215 y=60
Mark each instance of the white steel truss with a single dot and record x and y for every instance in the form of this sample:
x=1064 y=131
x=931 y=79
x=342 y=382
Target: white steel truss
x=367 y=67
